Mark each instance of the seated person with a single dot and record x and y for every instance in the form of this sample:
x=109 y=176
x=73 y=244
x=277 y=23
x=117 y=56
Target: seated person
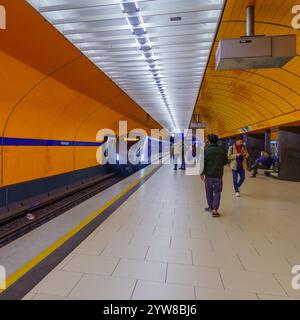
x=263 y=162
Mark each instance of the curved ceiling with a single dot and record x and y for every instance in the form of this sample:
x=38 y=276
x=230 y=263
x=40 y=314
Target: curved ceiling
x=156 y=51
x=232 y=102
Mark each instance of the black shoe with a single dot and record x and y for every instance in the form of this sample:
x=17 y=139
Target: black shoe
x=208 y=210
x=215 y=214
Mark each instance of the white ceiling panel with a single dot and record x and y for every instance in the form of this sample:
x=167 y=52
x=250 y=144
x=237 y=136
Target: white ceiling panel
x=155 y=50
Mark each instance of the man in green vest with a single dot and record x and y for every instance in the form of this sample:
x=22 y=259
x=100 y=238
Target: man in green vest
x=215 y=159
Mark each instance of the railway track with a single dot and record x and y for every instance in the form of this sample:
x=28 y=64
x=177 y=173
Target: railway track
x=18 y=226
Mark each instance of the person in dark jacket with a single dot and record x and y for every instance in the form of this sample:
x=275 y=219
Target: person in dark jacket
x=215 y=159
x=263 y=162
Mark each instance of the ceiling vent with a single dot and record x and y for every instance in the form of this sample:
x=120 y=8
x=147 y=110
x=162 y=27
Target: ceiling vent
x=175 y=19
x=255 y=52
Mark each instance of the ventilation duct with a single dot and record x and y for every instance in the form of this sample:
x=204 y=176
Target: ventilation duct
x=255 y=52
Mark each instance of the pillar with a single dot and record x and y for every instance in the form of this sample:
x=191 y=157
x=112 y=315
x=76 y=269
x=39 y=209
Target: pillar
x=289 y=153
x=268 y=141
x=255 y=145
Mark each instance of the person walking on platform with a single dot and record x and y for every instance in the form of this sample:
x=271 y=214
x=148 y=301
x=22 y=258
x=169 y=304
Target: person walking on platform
x=237 y=154
x=183 y=153
x=177 y=153
x=214 y=161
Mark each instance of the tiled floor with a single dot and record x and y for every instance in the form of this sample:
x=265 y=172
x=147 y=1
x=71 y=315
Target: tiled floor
x=14 y=255
x=161 y=244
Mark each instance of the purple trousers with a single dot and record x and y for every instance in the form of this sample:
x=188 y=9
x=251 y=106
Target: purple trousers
x=213 y=187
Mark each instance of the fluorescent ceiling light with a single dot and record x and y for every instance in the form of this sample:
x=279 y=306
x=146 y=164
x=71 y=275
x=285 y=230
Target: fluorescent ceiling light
x=160 y=63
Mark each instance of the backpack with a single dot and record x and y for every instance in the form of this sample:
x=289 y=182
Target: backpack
x=231 y=152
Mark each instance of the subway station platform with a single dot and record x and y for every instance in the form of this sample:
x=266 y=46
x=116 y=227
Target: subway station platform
x=93 y=94
x=160 y=244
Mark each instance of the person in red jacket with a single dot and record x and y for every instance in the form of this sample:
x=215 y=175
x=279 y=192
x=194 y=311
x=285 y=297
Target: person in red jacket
x=237 y=154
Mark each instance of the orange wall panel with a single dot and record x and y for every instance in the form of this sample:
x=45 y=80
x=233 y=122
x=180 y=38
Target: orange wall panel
x=29 y=163
x=13 y=88
x=85 y=157
x=50 y=91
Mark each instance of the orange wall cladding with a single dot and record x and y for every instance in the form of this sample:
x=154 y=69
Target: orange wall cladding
x=260 y=98
x=49 y=90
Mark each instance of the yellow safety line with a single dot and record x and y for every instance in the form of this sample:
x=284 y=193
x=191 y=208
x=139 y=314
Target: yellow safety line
x=29 y=265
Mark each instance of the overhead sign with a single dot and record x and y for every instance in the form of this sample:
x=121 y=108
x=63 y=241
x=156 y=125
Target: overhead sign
x=198 y=125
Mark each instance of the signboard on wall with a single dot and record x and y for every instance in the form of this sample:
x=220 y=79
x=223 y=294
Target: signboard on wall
x=198 y=125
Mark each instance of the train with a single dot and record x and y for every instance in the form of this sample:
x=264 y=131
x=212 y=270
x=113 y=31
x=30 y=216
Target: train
x=127 y=155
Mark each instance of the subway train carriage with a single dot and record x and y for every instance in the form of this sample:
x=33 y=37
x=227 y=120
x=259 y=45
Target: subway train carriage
x=127 y=155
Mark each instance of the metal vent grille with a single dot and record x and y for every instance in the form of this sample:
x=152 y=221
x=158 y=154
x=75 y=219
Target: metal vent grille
x=176 y=19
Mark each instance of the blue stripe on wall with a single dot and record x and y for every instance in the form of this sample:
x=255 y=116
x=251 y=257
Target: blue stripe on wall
x=46 y=143
x=49 y=143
